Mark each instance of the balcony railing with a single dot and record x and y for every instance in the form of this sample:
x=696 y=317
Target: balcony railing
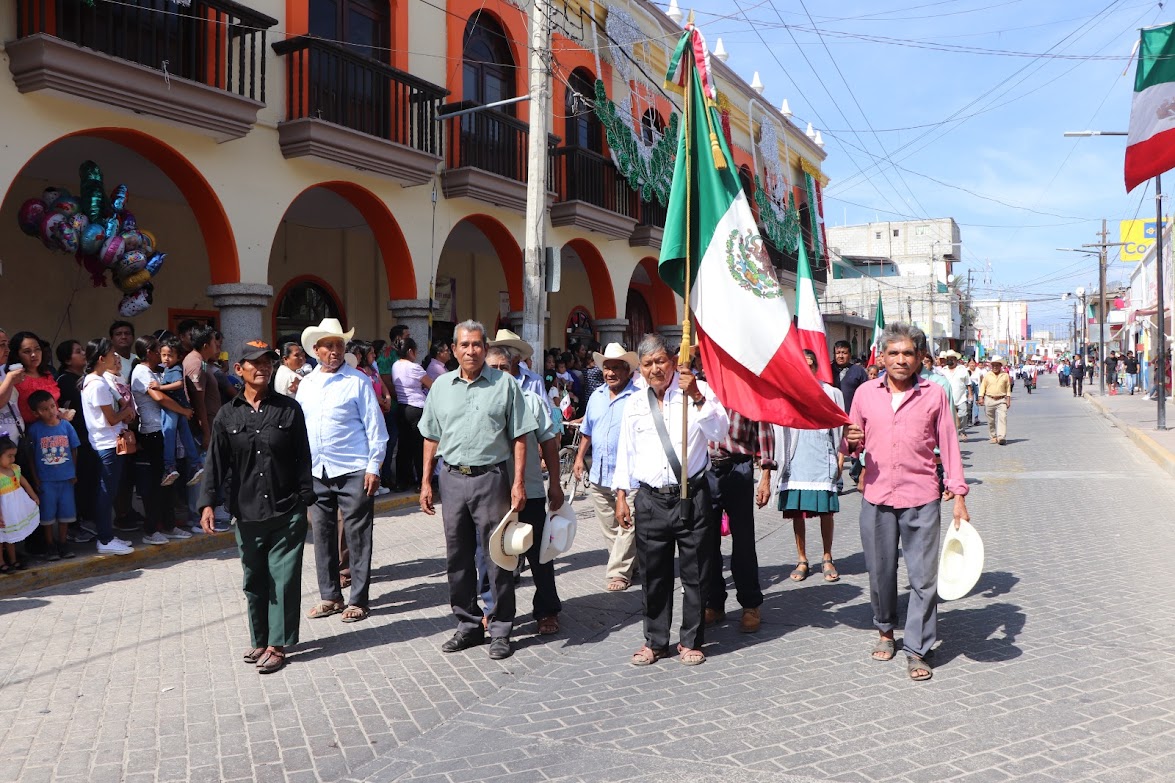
x=592 y=178
x=651 y=213
x=330 y=82
x=492 y=141
x=214 y=42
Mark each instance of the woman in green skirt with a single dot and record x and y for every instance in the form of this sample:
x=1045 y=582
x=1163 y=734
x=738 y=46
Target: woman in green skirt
x=809 y=466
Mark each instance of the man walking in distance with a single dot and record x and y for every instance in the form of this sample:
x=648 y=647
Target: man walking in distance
x=476 y=419
x=900 y=419
x=995 y=395
x=259 y=453
x=959 y=378
x=600 y=432
x=847 y=377
x=542 y=442
x=1077 y=374
x=649 y=457
x=732 y=489
x=348 y=440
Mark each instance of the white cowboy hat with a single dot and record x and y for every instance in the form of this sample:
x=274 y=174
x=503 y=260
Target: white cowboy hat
x=507 y=339
x=510 y=539
x=615 y=351
x=558 y=533
x=950 y=355
x=330 y=327
x=996 y=360
x=961 y=561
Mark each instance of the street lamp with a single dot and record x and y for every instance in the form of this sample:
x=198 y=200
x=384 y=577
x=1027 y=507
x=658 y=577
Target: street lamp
x=1161 y=353
x=1101 y=310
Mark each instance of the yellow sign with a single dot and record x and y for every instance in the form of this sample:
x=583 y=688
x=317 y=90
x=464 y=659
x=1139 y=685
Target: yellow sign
x=1137 y=238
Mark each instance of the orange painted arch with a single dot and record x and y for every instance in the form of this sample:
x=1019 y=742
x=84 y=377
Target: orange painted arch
x=658 y=295
x=603 y=298
x=219 y=244
x=393 y=248
x=509 y=253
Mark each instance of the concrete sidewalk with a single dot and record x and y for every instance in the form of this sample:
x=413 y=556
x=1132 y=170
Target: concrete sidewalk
x=40 y=574
x=1136 y=417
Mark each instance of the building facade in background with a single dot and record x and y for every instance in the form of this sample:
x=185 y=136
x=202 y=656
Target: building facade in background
x=296 y=160
x=1001 y=326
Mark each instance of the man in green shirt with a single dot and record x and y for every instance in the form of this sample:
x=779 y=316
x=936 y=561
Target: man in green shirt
x=545 y=440
x=476 y=419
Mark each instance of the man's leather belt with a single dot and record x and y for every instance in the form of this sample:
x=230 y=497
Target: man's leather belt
x=729 y=460
x=675 y=489
x=470 y=470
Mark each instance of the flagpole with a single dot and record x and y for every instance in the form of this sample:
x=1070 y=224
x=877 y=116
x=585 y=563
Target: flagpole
x=683 y=358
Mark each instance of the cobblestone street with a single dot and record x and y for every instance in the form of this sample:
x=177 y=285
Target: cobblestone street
x=1055 y=668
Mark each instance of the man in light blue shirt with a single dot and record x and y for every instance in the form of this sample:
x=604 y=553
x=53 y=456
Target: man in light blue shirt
x=348 y=439
x=600 y=432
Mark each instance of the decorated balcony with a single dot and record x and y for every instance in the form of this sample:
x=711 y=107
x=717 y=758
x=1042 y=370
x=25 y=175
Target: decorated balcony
x=486 y=157
x=650 y=225
x=200 y=66
x=344 y=108
x=592 y=194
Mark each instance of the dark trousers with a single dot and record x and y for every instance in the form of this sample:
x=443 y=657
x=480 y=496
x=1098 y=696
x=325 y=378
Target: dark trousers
x=109 y=480
x=334 y=495
x=658 y=532
x=473 y=507
x=918 y=530
x=271 y=557
x=546 y=596
x=1078 y=381
x=732 y=489
x=410 y=446
x=158 y=507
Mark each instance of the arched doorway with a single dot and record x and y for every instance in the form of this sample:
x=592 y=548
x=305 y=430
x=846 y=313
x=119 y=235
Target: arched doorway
x=52 y=294
x=640 y=318
x=481 y=266
x=338 y=252
x=579 y=328
x=650 y=304
x=304 y=301
x=583 y=127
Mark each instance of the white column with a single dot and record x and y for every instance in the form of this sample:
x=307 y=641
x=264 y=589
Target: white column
x=242 y=307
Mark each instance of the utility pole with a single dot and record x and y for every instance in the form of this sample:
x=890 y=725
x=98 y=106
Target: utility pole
x=1161 y=358
x=533 y=306
x=1101 y=312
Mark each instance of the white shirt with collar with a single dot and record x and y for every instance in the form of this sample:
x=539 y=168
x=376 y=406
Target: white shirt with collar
x=640 y=457
x=343 y=421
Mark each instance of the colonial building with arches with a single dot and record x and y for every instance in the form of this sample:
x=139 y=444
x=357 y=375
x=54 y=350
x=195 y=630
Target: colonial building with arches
x=297 y=159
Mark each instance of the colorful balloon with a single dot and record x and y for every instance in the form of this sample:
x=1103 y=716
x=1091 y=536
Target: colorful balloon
x=136 y=303
x=148 y=245
x=129 y=223
x=118 y=198
x=155 y=263
x=50 y=229
x=67 y=205
x=93 y=191
x=111 y=250
x=130 y=262
x=91 y=239
x=51 y=195
x=28 y=217
x=134 y=281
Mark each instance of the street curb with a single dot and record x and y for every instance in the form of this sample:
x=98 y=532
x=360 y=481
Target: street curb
x=1158 y=454
x=40 y=575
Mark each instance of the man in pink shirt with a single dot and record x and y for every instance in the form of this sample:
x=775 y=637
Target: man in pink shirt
x=900 y=419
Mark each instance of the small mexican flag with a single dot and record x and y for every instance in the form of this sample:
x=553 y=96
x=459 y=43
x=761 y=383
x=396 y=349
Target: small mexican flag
x=749 y=347
x=878 y=328
x=809 y=321
x=1150 y=146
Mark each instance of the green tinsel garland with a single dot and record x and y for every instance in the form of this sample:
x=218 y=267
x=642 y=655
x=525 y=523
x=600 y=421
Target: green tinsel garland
x=784 y=234
x=652 y=179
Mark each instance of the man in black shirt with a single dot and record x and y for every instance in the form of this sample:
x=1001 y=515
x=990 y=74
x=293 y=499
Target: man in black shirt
x=847 y=377
x=260 y=454
x=1131 y=372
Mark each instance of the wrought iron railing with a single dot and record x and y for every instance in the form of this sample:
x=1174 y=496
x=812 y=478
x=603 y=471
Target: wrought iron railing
x=495 y=142
x=651 y=213
x=215 y=42
x=591 y=177
x=329 y=81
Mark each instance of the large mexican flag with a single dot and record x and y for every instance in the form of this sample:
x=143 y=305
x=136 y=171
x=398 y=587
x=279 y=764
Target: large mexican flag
x=878 y=328
x=750 y=350
x=1150 y=146
x=809 y=321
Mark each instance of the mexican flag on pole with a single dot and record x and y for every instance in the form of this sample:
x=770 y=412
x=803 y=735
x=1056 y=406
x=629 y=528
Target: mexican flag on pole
x=750 y=350
x=1150 y=143
x=809 y=321
x=878 y=328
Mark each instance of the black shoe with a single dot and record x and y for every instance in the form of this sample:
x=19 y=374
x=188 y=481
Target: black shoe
x=64 y=551
x=500 y=648
x=464 y=641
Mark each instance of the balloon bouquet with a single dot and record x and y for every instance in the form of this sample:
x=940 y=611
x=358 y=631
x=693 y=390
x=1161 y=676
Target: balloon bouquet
x=101 y=233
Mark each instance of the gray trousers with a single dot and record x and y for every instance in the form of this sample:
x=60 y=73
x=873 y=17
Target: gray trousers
x=473 y=507
x=918 y=528
x=342 y=494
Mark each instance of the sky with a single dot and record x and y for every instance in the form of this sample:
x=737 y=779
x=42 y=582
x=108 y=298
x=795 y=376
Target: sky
x=956 y=108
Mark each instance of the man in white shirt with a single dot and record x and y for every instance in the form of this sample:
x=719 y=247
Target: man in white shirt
x=651 y=417
x=122 y=334
x=348 y=439
x=959 y=378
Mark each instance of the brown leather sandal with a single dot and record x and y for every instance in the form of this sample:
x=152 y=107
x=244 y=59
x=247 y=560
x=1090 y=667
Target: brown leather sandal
x=549 y=625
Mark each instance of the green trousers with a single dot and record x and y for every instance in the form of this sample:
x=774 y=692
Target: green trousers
x=271 y=556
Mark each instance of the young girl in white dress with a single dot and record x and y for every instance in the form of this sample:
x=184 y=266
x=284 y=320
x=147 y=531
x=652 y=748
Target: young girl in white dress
x=19 y=514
